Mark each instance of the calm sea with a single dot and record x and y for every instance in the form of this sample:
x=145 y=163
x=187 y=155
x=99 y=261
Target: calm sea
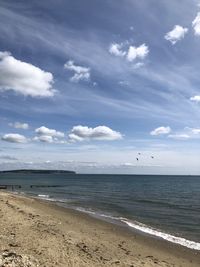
x=164 y=206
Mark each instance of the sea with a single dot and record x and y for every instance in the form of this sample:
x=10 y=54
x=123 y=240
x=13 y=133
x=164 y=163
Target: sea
x=162 y=206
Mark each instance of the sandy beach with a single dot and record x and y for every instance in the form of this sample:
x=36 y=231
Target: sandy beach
x=38 y=233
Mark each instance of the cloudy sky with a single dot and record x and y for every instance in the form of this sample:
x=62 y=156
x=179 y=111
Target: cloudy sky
x=93 y=85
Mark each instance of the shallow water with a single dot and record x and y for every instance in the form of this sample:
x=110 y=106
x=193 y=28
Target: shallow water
x=169 y=205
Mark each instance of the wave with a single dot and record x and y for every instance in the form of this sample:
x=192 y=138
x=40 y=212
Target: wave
x=43 y=196
x=147 y=229
x=49 y=198
x=97 y=214
x=132 y=224
x=155 y=232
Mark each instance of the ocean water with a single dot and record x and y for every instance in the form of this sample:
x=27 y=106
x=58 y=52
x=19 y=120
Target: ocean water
x=166 y=207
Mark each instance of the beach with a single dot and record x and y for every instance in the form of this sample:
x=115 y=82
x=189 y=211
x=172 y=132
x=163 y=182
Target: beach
x=39 y=233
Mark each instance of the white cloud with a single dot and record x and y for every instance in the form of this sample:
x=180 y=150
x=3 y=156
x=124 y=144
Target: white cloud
x=195 y=98
x=127 y=164
x=47 y=135
x=138 y=65
x=24 y=78
x=116 y=49
x=80 y=73
x=75 y=137
x=49 y=139
x=14 y=138
x=196 y=24
x=19 y=125
x=139 y=52
x=179 y=136
x=81 y=133
x=44 y=131
x=44 y=138
x=133 y=53
x=161 y=130
x=188 y=133
x=176 y=34
x=196 y=131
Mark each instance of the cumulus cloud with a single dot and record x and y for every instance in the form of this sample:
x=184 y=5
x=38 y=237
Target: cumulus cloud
x=48 y=132
x=47 y=135
x=81 y=133
x=44 y=138
x=133 y=53
x=19 y=125
x=176 y=34
x=116 y=49
x=14 y=138
x=24 y=78
x=139 y=52
x=196 y=24
x=161 y=130
x=80 y=73
x=195 y=98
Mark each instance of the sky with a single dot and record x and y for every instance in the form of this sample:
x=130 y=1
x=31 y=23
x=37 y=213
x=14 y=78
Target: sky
x=100 y=86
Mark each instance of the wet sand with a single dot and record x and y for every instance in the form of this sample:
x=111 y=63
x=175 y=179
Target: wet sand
x=39 y=233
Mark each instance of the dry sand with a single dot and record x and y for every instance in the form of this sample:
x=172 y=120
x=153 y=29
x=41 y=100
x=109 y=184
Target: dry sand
x=36 y=233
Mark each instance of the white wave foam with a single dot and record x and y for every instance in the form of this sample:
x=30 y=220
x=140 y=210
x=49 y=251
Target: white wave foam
x=98 y=214
x=48 y=198
x=43 y=196
x=138 y=226
x=174 y=239
x=85 y=210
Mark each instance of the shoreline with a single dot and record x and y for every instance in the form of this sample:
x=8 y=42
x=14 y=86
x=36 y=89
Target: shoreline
x=133 y=226
x=81 y=239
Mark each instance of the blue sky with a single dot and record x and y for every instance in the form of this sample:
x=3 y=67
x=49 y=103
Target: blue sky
x=87 y=85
